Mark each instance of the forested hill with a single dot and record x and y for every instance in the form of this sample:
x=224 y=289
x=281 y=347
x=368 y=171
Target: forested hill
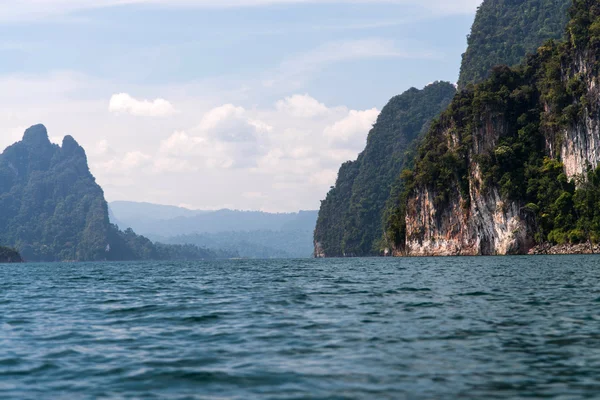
x=350 y=218
x=505 y=31
x=52 y=209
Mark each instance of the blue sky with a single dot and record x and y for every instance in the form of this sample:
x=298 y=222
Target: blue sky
x=248 y=104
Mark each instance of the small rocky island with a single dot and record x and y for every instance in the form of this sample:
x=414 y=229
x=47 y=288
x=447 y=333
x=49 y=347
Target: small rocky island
x=8 y=255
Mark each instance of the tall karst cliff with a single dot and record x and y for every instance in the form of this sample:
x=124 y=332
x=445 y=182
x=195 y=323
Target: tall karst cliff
x=513 y=161
x=505 y=31
x=350 y=218
x=52 y=209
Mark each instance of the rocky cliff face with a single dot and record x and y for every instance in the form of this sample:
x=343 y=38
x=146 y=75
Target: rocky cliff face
x=580 y=144
x=480 y=223
x=478 y=187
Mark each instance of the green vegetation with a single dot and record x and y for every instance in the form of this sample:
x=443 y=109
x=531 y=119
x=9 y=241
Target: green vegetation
x=350 y=219
x=529 y=107
x=52 y=209
x=8 y=255
x=505 y=31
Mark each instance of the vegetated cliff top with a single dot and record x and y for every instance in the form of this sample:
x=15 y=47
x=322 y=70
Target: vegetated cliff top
x=505 y=31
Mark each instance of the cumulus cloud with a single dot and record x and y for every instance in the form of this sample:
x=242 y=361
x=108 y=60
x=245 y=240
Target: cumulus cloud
x=301 y=106
x=298 y=141
x=123 y=164
x=226 y=136
x=229 y=123
x=125 y=104
x=351 y=130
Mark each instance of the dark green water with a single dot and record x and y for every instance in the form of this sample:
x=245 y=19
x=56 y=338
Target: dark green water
x=468 y=328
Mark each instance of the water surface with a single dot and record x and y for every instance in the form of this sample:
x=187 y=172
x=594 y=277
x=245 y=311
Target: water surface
x=470 y=328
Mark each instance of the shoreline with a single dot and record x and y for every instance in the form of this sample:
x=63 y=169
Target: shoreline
x=565 y=249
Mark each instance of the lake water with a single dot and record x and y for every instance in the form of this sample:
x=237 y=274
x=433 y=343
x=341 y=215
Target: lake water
x=446 y=328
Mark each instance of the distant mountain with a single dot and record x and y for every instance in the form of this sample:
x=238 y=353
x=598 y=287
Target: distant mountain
x=351 y=217
x=249 y=234
x=505 y=31
x=132 y=211
x=52 y=209
x=165 y=221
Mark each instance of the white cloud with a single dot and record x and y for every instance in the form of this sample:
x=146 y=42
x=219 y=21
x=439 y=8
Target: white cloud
x=226 y=137
x=350 y=131
x=301 y=106
x=135 y=159
x=124 y=103
x=11 y=136
x=253 y=195
x=126 y=163
x=298 y=143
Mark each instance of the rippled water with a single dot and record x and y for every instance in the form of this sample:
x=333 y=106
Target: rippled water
x=526 y=327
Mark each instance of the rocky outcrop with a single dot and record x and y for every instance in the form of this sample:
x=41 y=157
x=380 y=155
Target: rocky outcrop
x=580 y=142
x=319 y=252
x=483 y=223
x=565 y=249
x=8 y=255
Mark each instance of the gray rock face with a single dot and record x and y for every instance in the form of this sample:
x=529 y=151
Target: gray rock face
x=483 y=224
x=581 y=142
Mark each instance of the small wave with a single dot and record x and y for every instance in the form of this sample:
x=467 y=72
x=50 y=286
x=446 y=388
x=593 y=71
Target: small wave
x=62 y=353
x=28 y=372
x=413 y=289
x=425 y=304
x=475 y=294
x=135 y=310
x=201 y=318
x=9 y=362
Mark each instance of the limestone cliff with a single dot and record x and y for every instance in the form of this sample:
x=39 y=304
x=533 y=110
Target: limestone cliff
x=580 y=144
x=508 y=164
x=476 y=221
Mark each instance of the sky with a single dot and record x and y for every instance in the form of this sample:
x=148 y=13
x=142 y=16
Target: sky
x=209 y=104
